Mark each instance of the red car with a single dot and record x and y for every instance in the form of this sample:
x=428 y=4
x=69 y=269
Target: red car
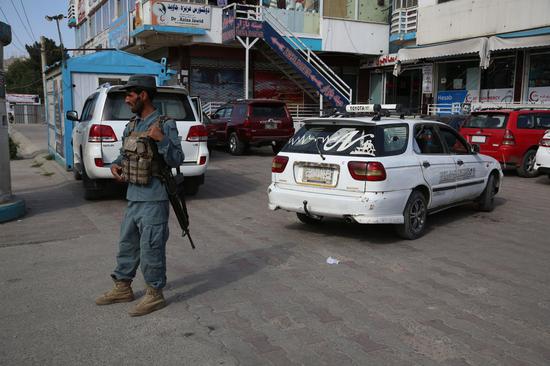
x=251 y=122
x=509 y=135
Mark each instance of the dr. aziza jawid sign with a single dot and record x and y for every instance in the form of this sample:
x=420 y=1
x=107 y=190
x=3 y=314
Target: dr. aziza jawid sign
x=180 y=15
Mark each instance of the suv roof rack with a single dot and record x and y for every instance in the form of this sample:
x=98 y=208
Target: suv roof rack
x=483 y=106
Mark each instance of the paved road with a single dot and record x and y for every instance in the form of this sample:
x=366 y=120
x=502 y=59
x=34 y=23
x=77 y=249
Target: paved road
x=257 y=291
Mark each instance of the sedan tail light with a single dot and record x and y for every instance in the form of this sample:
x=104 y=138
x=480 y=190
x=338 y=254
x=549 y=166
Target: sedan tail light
x=197 y=133
x=101 y=133
x=368 y=171
x=508 y=138
x=545 y=142
x=279 y=164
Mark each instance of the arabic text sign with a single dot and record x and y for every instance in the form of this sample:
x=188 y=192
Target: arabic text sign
x=228 y=25
x=249 y=28
x=180 y=14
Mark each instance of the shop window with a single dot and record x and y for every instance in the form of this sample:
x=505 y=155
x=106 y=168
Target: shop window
x=500 y=74
x=539 y=70
x=458 y=76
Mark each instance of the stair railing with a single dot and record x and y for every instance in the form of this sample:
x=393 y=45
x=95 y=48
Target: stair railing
x=256 y=12
x=308 y=54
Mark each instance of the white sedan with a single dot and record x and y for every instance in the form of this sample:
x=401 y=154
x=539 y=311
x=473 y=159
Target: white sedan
x=380 y=171
x=542 y=159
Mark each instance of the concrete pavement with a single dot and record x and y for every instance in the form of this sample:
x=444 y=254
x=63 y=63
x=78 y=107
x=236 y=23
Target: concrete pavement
x=257 y=291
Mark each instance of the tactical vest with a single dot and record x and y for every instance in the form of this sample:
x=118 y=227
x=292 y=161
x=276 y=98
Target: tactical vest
x=141 y=160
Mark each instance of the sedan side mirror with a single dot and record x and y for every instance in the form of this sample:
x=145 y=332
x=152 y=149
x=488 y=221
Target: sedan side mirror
x=475 y=148
x=72 y=116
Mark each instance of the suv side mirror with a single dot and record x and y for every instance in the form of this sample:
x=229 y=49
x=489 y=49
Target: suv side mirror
x=475 y=148
x=72 y=116
x=214 y=116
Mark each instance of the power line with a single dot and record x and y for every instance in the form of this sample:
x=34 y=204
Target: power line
x=21 y=20
x=16 y=38
x=26 y=17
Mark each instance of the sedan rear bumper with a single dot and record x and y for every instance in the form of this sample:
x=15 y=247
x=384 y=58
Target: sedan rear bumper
x=364 y=208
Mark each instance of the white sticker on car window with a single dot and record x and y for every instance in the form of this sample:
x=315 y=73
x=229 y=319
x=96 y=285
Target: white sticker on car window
x=366 y=148
x=345 y=138
x=341 y=140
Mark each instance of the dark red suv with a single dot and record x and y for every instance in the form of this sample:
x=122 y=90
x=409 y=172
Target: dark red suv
x=509 y=135
x=252 y=122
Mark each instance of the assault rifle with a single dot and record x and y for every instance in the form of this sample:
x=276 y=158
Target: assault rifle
x=176 y=195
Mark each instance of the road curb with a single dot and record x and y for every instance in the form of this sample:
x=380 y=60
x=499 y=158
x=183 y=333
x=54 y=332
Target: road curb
x=12 y=210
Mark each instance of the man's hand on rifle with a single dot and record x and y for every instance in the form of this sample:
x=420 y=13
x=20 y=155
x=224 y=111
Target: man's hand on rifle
x=116 y=171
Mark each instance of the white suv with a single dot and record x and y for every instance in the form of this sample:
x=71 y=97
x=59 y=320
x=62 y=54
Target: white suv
x=542 y=159
x=380 y=171
x=97 y=137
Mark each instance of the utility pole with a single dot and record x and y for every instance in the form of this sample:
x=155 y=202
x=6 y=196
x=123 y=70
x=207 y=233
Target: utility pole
x=10 y=207
x=44 y=65
x=57 y=18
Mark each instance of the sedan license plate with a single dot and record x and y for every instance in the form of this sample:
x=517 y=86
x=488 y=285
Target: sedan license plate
x=480 y=139
x=317 y=175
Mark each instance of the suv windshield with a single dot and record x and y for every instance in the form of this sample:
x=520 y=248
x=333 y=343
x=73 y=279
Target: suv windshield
x=268 y=110
x=486 y=121
x=173 y=105
x=349 y=140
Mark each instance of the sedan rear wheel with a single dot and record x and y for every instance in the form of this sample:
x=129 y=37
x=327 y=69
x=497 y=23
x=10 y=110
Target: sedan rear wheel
x=415 y=215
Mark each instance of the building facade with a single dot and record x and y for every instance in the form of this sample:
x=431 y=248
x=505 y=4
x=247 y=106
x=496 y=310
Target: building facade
x=190 y=36
x=445 y=53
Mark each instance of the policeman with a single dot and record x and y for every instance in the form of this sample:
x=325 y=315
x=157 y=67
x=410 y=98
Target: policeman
x=149 y=141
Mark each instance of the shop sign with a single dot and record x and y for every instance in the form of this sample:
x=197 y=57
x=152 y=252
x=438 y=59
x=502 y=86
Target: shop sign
x=228 y=25
x=384 y=60
x=451 y=96
x=118 y=33
x=249 y=28
x=180 y=15
x=505 y=95
x=539 y=95
x=427 y=79
x=387 y=60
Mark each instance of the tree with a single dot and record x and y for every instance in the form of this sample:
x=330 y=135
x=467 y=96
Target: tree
x=24 y=76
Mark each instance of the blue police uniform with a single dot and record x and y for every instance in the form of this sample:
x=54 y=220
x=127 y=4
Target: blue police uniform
x=144 y=229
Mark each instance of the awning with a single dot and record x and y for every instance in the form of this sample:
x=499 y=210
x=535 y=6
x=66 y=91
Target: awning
x=497 y=43
x=468 y=46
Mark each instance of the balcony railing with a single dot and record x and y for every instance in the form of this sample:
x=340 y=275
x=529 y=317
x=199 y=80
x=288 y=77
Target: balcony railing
x=403 y=21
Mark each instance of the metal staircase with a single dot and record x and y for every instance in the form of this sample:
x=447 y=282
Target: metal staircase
x=294 y=59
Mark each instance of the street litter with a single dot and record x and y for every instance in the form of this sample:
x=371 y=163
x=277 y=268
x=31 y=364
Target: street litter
x=331 y=260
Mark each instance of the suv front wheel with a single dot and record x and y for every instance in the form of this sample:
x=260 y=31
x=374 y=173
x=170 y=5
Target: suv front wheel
x=236 y=146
